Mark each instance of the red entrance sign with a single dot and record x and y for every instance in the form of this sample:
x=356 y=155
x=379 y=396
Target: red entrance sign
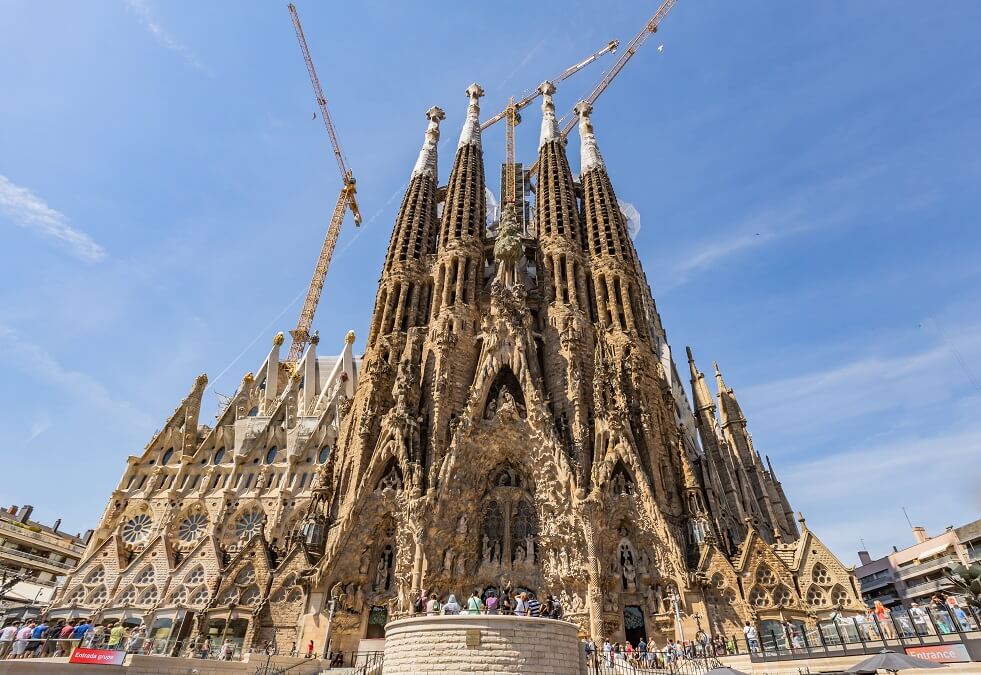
x=941 y=653
x=99 y=657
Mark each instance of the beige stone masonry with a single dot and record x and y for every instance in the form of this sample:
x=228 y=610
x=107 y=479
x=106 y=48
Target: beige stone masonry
x=482 y=643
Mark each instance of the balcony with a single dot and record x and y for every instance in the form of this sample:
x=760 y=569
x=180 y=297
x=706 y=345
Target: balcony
x=35 y=562
x=48 y=540
x=929 y=588
x=929 y=566
x=872 y=584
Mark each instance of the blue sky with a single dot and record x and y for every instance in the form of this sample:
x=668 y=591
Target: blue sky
x=807 y=176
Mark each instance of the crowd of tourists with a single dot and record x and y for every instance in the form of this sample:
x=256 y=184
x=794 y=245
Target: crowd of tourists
x=38 y=639
x=517 y=604
x=646 y=654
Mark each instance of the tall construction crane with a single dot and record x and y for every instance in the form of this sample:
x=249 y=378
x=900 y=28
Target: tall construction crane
x=347 y=199
x=512 y=118
x=649 y=29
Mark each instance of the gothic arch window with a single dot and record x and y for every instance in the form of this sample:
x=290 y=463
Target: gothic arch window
x=324 y=454
x=392 y=479
x=718 y=581
x=621 y=483
x=820 y=574
x=195 y=576
x=758 y=597
x=254 y=411
x=146 y=576
x=816 y=597
x=493 y=533
x=250 y=596
x=149 y=596
x=127 y=597
x=523 y=530
x=167 y=456
x=229 y=596
x=765 y=575
x=200 y=597
x=839 y=596
x=782 y=596
x=246 y=576
x=219 y=455
x=271 y=454
x=96 y=576
x=76 y=596
x=98 y=596
x=178 y=596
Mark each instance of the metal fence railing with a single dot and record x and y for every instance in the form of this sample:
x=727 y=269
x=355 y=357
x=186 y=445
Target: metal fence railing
x=661 y=662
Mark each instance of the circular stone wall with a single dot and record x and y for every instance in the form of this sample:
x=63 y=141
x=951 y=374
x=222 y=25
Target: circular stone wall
x=482 y=643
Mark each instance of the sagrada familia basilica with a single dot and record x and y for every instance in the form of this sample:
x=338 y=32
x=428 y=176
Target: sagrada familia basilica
x=517 y=422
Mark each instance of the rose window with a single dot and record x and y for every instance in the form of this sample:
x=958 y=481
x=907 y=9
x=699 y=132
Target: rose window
x=249 y=525
x=757 y=597
x=97 y=576
x=192 y=527
x=137 y=529
x=195 y=577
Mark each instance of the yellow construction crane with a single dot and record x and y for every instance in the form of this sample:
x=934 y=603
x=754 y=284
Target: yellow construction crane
x=512 y=118
x=649 y=29
x=347 y=199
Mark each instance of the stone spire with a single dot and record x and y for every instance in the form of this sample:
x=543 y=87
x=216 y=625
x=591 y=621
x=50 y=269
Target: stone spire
x=426 y=164
x=470 y=135
x=550 y=125
x=729 y=409
x=590 y=157
x=699 y=388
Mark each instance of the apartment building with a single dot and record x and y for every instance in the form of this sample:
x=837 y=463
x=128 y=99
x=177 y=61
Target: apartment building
x=34 y=559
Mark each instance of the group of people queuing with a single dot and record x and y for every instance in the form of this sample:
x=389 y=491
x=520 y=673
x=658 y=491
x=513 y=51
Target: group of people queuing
x=521 y=603
x=646 y=654
x=943 y=614
x=40 y=638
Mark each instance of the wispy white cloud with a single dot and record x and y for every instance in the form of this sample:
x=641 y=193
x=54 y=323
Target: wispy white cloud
x=35 y=361
x=146 y=17
x=40 y=424
x=857 y=441
x=25 y=209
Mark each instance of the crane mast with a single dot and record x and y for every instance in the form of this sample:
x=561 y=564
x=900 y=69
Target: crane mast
x=512 y=119
x=346 y=199
x=638 y=40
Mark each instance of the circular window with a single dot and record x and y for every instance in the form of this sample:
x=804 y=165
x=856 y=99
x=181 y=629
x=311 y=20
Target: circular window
x=192 y=527
x=249 y=525
x=218 y=456
x=137 y=529
x=324 y=454
x=271 y=455
x=166 y=456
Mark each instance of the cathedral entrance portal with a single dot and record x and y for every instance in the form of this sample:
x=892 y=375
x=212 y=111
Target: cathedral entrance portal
x=634 y=627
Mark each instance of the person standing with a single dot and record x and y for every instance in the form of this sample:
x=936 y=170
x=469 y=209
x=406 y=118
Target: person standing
x=451 y=606
x=23 y=638
x=310 y=649
x=116 y=631
x=491 y=603
x=474 y=605
x=7 y=636
x=521 y=604
x=432 y=606
x=752 y=639
x=532 y=606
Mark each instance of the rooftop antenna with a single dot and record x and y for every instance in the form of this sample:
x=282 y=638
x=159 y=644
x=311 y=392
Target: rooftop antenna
x=908 y=522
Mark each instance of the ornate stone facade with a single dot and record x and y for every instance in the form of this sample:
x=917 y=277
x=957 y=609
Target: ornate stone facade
x=518 y=424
